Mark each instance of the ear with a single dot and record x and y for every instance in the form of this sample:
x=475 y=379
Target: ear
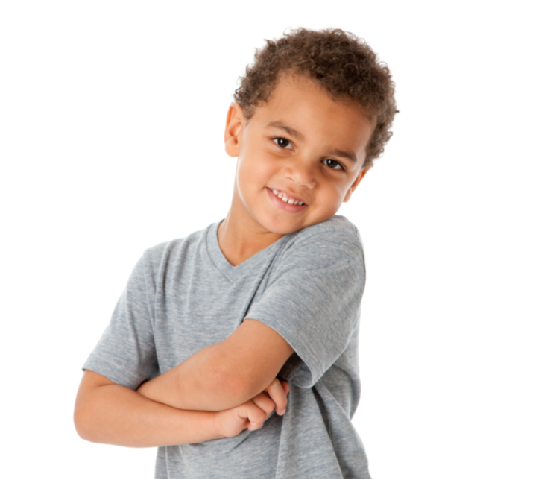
x=233 y=130
x=362 y=173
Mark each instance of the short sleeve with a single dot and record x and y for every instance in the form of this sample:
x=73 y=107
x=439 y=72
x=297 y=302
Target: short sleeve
x=313 y=300
x=126 y=351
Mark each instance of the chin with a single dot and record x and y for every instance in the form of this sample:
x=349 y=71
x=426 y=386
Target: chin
x=283 y=230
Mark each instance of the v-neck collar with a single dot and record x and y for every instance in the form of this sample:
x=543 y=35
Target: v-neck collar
x=250 y=264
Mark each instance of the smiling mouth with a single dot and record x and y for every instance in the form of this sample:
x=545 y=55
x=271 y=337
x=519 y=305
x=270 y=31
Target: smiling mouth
x=285 y=199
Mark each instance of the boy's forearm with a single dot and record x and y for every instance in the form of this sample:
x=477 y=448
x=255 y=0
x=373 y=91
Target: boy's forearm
x=195 y=384
x=114 y=414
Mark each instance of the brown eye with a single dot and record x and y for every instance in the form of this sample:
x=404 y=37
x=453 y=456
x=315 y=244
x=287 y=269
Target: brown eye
x=281 y=142
x=334 y=164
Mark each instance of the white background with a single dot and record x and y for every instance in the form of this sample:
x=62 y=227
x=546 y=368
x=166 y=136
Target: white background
x=111 y=140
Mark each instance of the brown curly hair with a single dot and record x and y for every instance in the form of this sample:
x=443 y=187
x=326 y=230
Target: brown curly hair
x=339 y=61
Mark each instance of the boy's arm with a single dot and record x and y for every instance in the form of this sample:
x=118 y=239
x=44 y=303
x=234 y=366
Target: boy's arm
x=109 y=413
x=225 y=374
x=314 y=302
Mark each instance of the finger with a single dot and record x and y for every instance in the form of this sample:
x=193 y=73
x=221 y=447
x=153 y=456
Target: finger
x=263 y=401
x=277 y=394
x=286 y=387
x=254 y=414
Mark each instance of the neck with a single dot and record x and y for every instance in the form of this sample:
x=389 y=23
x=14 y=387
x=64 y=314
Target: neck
x=238 y=245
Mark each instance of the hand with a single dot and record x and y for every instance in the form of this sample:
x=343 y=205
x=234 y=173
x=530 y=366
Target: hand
x=251 y=414
x=277 y=391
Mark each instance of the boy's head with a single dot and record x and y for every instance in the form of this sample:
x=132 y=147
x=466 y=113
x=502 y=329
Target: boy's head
x=311 y=114
x=344 y=65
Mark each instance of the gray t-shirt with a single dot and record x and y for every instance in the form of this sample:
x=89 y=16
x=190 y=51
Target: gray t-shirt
x=183 y=295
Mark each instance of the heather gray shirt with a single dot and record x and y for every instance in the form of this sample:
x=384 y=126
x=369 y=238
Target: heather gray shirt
x=183 y=295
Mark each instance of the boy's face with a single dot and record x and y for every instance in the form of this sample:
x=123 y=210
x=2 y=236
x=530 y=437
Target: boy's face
x=303 y=144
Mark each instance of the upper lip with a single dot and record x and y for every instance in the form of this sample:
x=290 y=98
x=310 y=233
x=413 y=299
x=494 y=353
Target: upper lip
x=289 y=194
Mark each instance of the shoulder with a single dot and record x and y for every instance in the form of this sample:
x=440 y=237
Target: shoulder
x=336 y=231
x=336 y=228
x=335 y=240
x=170 y=257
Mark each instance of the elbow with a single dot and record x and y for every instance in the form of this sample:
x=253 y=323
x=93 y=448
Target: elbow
x=88 y=416
x=85 y=424
x=80 y=423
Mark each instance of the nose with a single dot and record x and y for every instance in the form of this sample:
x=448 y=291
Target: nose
x=301 y=172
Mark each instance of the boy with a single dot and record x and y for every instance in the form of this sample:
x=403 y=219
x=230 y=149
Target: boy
x=258 y=312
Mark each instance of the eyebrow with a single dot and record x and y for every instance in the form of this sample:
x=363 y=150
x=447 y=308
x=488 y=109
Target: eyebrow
x=288 y=129
x=349 y=155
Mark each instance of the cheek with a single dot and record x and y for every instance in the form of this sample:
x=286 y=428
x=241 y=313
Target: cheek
x=337 y=193
x=261 y=168
x=331 y=199
x=253 y=175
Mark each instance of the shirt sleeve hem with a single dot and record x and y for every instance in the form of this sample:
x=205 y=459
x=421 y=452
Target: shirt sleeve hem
x=300 y=345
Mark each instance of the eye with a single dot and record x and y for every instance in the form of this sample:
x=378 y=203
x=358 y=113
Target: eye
x=281 y=142
x=334 y=164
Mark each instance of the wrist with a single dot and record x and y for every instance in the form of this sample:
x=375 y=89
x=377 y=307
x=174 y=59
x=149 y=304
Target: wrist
x=198 y=426
x=216 y=426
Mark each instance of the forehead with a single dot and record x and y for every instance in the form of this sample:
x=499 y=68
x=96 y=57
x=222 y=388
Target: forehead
x=290 y=88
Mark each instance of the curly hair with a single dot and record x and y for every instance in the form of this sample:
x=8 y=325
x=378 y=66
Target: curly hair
x=343 y=64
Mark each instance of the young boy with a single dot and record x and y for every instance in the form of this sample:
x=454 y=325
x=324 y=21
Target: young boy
x=258 y=313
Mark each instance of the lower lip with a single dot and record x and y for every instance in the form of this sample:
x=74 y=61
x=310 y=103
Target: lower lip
x=289 y=207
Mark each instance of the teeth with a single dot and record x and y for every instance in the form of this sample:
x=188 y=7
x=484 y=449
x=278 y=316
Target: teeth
x=285 y=199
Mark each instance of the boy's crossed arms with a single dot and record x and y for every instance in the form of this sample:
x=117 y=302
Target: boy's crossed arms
x=216 y=393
